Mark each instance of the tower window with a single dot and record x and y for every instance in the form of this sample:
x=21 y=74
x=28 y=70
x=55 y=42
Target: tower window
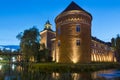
x=78 y=42
x=59 y=31
x=78 y=28
x=58 y=42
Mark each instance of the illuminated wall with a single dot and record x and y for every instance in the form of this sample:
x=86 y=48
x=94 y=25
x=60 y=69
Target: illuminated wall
x=73 y=36
x=101 y=52
x=46 y=37
x=19 y=58
x=53 y=51
x=73 y=42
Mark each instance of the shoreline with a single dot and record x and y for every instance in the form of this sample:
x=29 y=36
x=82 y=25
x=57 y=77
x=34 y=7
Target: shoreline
x=59 y=67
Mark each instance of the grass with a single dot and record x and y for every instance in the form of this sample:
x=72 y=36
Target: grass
x=59 y=67
x=4 y=61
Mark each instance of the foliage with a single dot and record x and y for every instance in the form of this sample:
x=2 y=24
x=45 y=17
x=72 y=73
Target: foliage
x=0 y=51
x=61 y=67
x=116 y=47
x=43 y=55
x=7 y=54
x=30 y=46
x=29 y=43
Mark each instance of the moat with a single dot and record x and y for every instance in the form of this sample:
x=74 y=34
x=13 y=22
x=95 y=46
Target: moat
x=13 y=72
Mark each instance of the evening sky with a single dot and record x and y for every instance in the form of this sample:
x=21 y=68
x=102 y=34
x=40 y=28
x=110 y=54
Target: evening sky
x=18 y=15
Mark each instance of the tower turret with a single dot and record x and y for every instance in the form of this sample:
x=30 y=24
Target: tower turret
x=46 y=35
x=73 y=35
x=48 y=26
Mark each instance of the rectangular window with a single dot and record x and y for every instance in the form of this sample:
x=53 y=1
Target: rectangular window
x=58 y=42
x=78 y=28
x=78 y=42
x=59 y=31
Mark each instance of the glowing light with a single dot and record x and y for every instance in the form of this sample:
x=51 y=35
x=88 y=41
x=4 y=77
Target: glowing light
x=92 y=55
x=13 y=67
x=32 y=59
x=57 y=55
x=75 y=76
x=13 y=59
x=18 y=58
x=75 y=56
x=0 y=66
x=74 y=60
x=1 y=58
x=19 y=68
x=53 y=55
x=55 y=75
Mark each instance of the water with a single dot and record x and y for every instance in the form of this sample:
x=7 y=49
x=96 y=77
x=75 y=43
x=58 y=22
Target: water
x=13 y=72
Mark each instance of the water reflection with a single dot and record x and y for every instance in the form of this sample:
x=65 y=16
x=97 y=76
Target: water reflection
x=111 y=75
x=13 y=66
x=8 y=72
x=13 y=72
x=0 y=66
x=73 y=76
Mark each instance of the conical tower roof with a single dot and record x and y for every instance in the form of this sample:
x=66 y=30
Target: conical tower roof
x=74 y=6
x=48 y=26
x=48 y=22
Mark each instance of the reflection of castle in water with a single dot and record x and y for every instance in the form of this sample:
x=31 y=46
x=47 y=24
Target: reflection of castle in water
x=72 y=42
x=9 y=72
x=19 y=73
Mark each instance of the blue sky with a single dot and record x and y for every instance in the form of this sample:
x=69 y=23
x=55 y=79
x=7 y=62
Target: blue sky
x=18 y=15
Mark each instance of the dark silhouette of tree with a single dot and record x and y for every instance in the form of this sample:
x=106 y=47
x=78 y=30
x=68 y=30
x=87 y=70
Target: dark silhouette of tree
x=116 y=47
x=0 y=51
x=29 y=43
x=44 y=54
x=30 y=46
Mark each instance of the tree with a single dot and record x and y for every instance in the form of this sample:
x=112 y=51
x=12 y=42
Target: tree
x=0 y=51
x=45 y=54
x=29 y=43
x=116 y=47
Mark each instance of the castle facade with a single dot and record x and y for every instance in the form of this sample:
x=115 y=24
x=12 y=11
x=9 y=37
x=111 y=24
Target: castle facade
x=72 y=42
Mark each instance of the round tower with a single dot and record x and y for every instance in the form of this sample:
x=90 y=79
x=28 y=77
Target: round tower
x=73 y=35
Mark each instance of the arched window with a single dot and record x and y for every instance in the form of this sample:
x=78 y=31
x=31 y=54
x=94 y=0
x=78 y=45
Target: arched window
x=78 y=28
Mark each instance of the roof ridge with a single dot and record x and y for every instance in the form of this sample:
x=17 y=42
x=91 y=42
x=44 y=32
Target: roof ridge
x=74 y=6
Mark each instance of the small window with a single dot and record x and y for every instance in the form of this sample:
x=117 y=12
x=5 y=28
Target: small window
x=78 y=28
x=59 y=31
x=58 y=42
x=78 y=42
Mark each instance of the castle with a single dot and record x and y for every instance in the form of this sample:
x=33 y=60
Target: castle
x=72 y=42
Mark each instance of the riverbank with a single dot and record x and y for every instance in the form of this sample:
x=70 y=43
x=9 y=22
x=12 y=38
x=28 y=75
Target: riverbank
x=16 y=72
x=57 y=67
